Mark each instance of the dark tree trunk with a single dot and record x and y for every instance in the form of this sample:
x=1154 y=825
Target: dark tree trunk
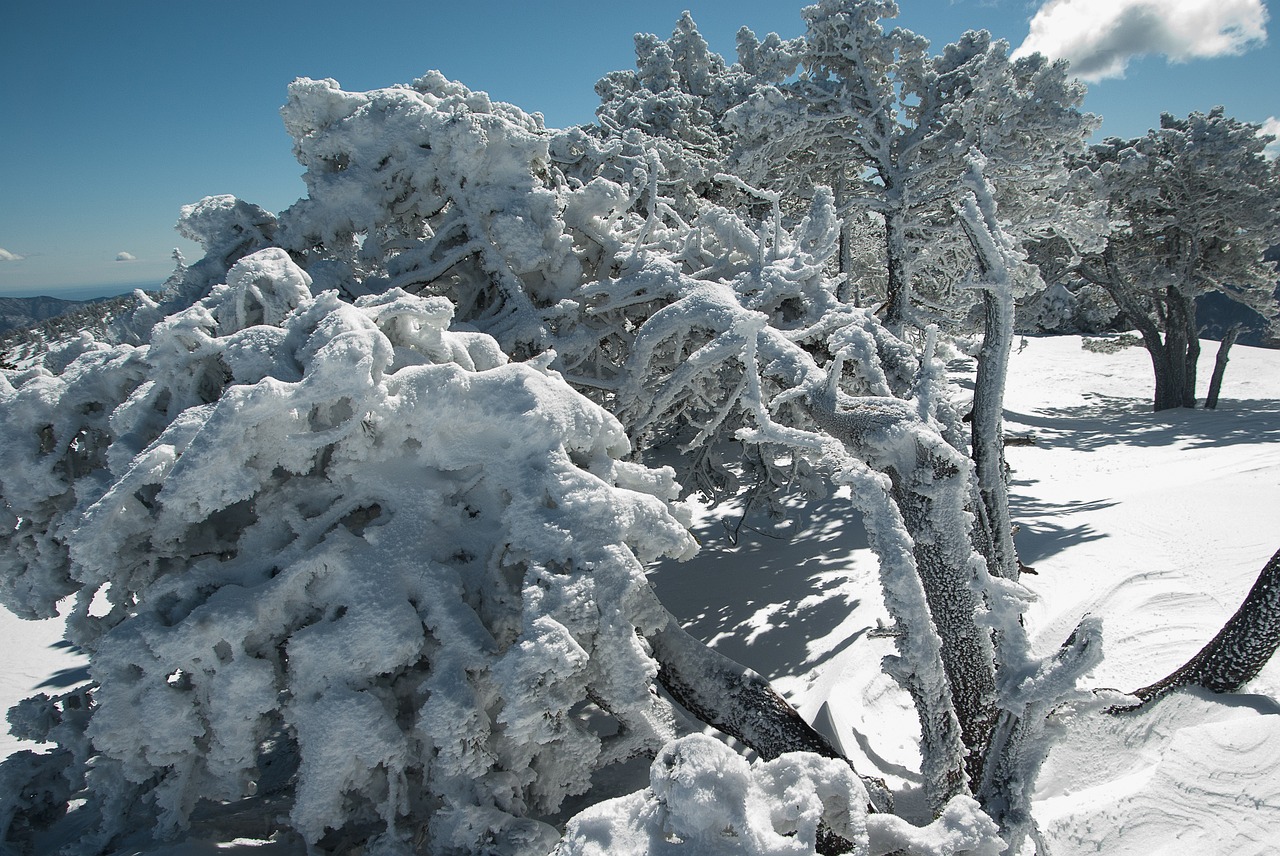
x=1169 y=377
x=897 y=308
x=1176 y=367
x=1192 y=357
x=1168 y=332
x=1239 y=651
x=1220 y=367
x=849 y=291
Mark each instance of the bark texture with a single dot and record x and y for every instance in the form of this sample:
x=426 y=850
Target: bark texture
x=1238 y=652
x=988 y=432
x=1167 y=326
x=897 y=308
x=930 y=487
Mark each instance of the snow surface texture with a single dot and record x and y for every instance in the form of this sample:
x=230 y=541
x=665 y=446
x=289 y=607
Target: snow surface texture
x=1158 y=523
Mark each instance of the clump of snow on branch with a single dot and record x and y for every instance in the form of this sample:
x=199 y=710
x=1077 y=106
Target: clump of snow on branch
x=706 y=799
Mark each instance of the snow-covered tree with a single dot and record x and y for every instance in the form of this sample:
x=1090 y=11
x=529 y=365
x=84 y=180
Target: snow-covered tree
x=817 y=389
x=889 y=126
x=674 y=103
x=896 y=131
x=1195 y=205
x=434 y=189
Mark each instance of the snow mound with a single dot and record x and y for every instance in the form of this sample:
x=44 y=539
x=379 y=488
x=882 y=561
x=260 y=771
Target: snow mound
x=703 y=798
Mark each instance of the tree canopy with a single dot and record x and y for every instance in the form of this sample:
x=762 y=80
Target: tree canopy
x=1195 y=205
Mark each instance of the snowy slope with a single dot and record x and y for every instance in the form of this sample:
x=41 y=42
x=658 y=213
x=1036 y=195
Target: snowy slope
x=1158 y=523
x=33 y=659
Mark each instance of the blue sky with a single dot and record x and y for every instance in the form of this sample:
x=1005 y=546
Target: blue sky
x=115 y=115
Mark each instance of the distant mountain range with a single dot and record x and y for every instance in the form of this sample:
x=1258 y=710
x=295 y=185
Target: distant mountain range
x=19 y=312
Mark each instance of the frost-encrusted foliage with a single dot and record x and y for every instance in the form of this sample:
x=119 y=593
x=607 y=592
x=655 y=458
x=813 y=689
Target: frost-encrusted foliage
x=742 y=343
x=886 y=123
x=228 y=229
x=675 y=100
x=431 y=188
x=348 y=535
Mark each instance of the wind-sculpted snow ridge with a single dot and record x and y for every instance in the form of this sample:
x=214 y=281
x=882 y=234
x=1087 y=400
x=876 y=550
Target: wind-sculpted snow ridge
x=339 y=538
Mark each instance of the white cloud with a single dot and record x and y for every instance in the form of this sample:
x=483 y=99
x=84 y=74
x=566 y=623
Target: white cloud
x=1099 y=37
x=6 y=256
x=1272 y=127
x=126 y=257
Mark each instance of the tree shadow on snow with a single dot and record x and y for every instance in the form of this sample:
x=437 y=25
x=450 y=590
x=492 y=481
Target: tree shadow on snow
x=1106 y=420
x=1042 y=528
x=66 y=678
x=777 y=599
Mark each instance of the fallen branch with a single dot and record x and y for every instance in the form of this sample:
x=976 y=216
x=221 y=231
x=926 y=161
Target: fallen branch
x=1239 y=651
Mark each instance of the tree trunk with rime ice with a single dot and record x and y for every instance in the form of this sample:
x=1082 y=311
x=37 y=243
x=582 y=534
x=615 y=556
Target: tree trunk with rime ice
x=930 y=488
x=999 y=261
x=988 y=431
x=942 y=554
x=1239 y=650
x=1017 y=749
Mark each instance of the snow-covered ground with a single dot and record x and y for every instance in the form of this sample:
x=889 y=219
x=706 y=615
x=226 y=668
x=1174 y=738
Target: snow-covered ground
x=1158 y=523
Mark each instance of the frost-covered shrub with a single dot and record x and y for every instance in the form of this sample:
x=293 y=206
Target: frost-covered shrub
x=343 y=535
x=1111 y=344
x=435 y=189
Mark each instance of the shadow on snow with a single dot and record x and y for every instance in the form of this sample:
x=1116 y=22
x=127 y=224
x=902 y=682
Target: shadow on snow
x=775 y=600
x=1106 y=420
